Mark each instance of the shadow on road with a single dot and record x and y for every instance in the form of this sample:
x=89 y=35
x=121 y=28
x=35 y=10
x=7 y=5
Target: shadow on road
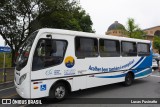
x=101 y=89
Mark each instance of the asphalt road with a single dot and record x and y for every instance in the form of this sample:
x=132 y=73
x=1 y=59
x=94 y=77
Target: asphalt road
x=143 y=88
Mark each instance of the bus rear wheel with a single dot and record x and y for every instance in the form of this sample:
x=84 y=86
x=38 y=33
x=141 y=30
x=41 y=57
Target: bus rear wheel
x=58 y=92
x=128 y=79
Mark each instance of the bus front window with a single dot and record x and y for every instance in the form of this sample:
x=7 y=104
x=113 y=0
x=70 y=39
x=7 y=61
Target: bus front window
x=24 y=52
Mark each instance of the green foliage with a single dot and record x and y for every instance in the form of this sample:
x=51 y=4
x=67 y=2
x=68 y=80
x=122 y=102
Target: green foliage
x=63 y=15
x=8 y=60
x=156 y=43
x=133 y=30
x=19 y=18
x=15 y=19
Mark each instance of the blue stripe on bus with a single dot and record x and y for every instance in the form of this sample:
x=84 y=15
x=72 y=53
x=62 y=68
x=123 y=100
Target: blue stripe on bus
x=114 y=76
x=146 y=72
x=146 y=63
x=137 y=62
x=138 y=70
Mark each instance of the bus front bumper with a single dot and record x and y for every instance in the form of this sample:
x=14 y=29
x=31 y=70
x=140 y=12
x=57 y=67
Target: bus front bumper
x=19 y=90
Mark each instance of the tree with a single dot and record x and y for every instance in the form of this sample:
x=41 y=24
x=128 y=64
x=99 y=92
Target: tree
x=64 y=15
x=16 y=16
x=133 y=30
x=156 y=43
x=19 y=18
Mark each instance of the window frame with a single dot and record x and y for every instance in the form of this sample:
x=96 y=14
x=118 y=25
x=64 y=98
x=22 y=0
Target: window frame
x=80 y=57
x=116 y=48
x=55 y=64
x=122 y=48
x=144 y=54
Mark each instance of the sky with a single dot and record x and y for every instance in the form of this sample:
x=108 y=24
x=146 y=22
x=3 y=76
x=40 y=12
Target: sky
x=105 y=12
x=1 y=41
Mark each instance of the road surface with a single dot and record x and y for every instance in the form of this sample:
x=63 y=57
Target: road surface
x=143 y=88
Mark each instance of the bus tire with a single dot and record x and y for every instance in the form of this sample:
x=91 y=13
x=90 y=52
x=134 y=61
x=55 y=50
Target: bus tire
x=58 y=92
x=128 y=79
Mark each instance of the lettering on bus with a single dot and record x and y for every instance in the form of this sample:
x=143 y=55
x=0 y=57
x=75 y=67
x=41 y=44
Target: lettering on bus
x=69 y=72
x=53 y=72
x=102 y=69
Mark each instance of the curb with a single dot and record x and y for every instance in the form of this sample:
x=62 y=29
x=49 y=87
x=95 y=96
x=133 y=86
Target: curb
x=6 y=82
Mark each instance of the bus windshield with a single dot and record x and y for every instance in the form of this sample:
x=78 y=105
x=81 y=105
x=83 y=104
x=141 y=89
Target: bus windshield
x=24 y=51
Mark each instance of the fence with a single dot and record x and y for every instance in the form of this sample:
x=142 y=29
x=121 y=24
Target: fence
x=8 y=76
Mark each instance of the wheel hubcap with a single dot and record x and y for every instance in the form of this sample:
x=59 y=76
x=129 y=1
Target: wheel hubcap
x=60 y=92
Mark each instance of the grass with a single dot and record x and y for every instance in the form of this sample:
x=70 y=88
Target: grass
x=9 y=70
x=8 y=60
x=1 y=77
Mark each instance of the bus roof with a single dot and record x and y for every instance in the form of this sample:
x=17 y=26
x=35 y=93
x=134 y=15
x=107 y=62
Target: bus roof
x=86 y=34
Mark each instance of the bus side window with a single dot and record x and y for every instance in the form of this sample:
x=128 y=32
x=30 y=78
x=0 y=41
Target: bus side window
x=86 y=47
x=128 y=48
x=48 y=53
x=109 y=48
x=143 y=49
x=41 y=48
x=39 y=53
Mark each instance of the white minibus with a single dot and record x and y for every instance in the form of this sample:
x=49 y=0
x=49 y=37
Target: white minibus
x=54 y=62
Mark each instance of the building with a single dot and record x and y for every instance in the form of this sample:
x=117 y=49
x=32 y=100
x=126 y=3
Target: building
x=116 y=29
x=151 y=32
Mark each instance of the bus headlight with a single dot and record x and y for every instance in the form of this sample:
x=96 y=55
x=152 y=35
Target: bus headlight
x=22 y=78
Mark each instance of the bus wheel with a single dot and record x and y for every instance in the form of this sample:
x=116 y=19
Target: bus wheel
x=128 y=79
x=59 y=92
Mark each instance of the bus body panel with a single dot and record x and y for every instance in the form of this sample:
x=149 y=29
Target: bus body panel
x=86 y=72
x=47 y=76
x=23 y=89
x=44 y=87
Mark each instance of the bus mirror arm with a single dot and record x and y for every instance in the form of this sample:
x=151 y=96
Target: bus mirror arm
x=50 y=36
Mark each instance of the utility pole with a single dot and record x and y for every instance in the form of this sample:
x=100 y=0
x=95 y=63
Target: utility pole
x=4 y=67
